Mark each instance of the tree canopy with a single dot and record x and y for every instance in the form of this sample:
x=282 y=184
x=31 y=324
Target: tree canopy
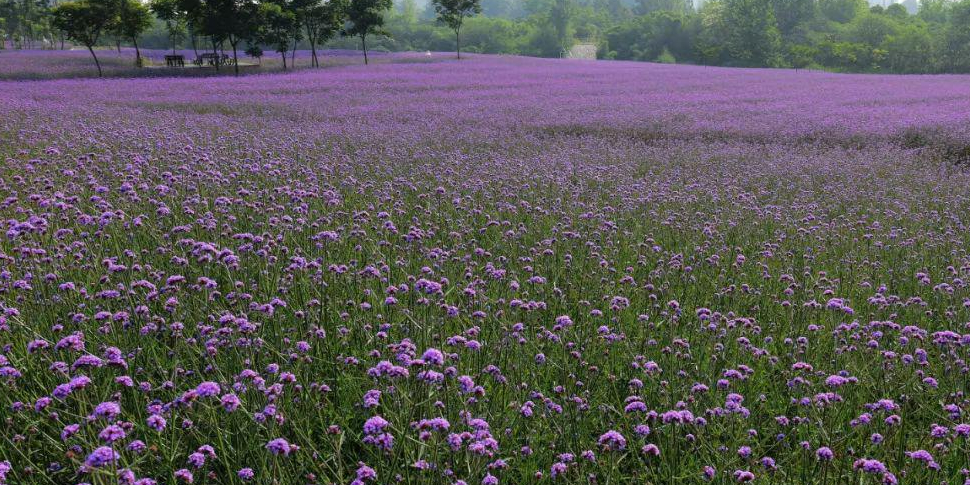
x=838 y=35
x=453 y=14
x=366 y=17
x=85 y=21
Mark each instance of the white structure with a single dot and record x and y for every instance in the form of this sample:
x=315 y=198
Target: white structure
x=582 y=50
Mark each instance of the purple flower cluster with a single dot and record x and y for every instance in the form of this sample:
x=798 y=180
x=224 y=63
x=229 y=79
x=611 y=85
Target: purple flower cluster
x=502 y=270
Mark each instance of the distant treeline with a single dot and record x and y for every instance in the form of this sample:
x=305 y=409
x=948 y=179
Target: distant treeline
x=840 y=35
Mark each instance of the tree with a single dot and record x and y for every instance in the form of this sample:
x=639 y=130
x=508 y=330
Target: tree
x=666 y=57
x=3 y=27
x=134 y=18
x=24 y=22
x=561 y=18
x=649 y=6
x=897 y=11
x=289 y=24
x=453 y=13
x=276 y=28
x=6 y=11
x=493 y=35
x=791 y=13
x=366 y=17
x=646 y=37
x=84 y=21
x=256 y=52
x=910 y=50
x=409 y=11
x=934 y=10
x=170 y=12
x=227 y=20
x=753 y=38
x=871 y=30
x=802 y=56
x=957 y=37
x=503 y=8
x=842 y=11
x=321 y=21
x=710 y=41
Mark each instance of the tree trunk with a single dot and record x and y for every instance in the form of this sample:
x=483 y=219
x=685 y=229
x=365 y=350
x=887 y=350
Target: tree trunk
x=458 y=42
x=118 y=45
x=235 y=57
x=284 y=59
x=293 y=55
x=96 y=61
x=215 y=50
x=171 y=35
x=363 y=43
x=313 y=47
x=137 y=51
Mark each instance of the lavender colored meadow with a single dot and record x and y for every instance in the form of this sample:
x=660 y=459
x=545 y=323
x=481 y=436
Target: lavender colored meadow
x=498 y=271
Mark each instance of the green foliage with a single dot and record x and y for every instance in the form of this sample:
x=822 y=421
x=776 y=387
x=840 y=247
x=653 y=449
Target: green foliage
x=852 y=56
x=276 y=28
x=791 y=13
x=910 y=50
x=453 y=14
x=560 y=17
x=666 y=57
x=934 y=10
x=842 y=11
x=957 y=37
x=544 y=41
x=509 y=9
x=321 y=21
x=897 y=11
x=134 y=18
x=649 y=6
x=366 y=17
x=709 y=45
x=171 y=13
x=409 y=11
x=228 y=20
x=254 y=51
x=225 y=21
x=85 y=21
x=871 y=29
x=646 y=38
x=753 y=38
x=801 y=56
x=494 y=35
x=25 y=22
x=841 y=35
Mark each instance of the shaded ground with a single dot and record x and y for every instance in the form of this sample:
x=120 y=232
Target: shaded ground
x=77 y=63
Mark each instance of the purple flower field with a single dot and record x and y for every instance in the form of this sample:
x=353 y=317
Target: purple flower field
x=496 y=271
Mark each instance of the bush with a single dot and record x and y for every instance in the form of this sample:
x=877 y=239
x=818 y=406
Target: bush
x=666 y=57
